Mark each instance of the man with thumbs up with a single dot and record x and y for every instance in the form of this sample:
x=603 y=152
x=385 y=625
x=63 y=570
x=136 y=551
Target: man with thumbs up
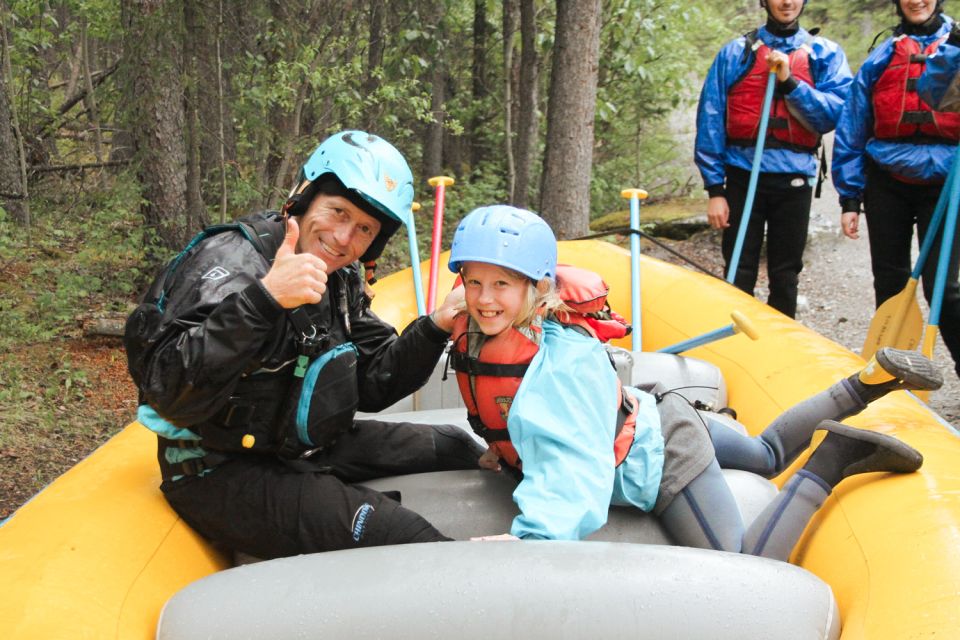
x=256 y=347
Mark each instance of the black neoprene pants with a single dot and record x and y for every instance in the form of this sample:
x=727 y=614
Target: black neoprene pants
x=263 y=507
x=781 y=207
x=892 y=209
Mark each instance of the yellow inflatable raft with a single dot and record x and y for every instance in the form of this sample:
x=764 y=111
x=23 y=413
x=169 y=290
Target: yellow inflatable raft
x=98 y=553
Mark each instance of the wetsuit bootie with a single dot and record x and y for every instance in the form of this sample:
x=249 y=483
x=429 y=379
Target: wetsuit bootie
x=891 y=369
x=847 y=451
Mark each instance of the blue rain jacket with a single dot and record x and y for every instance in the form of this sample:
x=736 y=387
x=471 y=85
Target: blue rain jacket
x=562 y=423
x=820 y=106
x=854 y=141
x=938 y=85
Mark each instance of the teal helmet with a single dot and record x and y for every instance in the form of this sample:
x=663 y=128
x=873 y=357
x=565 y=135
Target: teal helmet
x=373 y=173
x=507 y=237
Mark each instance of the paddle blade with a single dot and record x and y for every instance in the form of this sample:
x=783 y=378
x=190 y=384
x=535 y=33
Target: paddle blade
x=897 y=323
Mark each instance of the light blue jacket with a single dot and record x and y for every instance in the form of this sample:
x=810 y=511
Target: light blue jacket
x=854 y=142
x=562 y=423
x=819 y=106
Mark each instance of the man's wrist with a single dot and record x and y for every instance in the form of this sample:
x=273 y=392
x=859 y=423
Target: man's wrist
x=717 y=191
x=850 y=205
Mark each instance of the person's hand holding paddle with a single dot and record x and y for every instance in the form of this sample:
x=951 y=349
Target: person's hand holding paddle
x=779 y=62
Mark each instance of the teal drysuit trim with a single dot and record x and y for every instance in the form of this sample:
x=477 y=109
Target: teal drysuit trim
x=152 y=420
x=562 y=423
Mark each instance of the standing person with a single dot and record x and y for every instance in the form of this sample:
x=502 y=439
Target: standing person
x=892 y=154
x=811 y=85
x=255 y=348
x=583 y=442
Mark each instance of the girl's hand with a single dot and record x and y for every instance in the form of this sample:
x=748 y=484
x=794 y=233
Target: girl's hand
x=453 y=305
x=489 y=460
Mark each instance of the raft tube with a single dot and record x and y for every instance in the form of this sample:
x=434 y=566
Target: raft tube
x=99 y=552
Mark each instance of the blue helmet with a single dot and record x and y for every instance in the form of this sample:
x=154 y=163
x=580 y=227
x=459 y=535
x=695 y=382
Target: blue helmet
x=367 y=166
x=508 y=237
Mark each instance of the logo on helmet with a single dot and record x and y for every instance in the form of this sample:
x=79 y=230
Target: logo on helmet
x=390 y=182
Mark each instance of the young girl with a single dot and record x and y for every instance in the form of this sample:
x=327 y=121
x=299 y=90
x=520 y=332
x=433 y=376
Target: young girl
x=540 y=389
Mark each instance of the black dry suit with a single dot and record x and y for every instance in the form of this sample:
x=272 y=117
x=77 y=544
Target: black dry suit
x=248 y=399
x=229 y=364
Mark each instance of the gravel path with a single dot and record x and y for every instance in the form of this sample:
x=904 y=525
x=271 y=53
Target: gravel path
x=836 y=288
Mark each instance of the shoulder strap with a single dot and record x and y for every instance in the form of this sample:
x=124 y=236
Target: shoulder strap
x=750 y=44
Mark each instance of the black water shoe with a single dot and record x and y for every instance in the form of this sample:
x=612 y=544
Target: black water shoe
x=847 y=451
x=893 y=369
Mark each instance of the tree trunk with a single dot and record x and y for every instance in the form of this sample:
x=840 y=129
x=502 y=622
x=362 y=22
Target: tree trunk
x=509 y=28
x=156 y=115
x=374 y=62
x=565 y=190
x=529 y=120
x=479 y=77
x=90 y=99
x=194 y=47
x=13 y=185
x=433 y=144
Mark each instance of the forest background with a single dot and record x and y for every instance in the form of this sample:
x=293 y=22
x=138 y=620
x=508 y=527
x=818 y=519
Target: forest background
x=128 y=125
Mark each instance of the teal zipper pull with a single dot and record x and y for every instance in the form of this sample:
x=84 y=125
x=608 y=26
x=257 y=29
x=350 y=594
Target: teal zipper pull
x=302 y=362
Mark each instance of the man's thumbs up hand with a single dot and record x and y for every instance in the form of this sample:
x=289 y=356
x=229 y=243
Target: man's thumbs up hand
x=295 y=278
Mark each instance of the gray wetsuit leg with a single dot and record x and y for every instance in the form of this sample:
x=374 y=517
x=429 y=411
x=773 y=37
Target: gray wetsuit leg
x=704 y=514
x=786 y=437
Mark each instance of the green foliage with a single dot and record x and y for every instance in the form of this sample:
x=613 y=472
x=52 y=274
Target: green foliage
x=653 y=58
x=84 y=256
x=853 y=24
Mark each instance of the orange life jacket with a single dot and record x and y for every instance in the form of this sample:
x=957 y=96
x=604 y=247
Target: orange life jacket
x=489 y=369
x=898 y=111
x=745 y=102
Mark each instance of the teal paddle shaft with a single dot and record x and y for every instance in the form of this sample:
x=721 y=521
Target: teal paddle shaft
x=712 y=336
x=936 y=220
x=415 y=266
x=754 y=175
x=946 y=245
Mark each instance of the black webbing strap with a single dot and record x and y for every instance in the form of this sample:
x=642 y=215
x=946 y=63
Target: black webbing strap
x=191 y=467
x=473 y=367
x=642 y=234
x=916 y=117
x=489 y=435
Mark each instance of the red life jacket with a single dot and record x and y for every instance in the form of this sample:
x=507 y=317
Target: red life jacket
x=785 y=130
x=490 y=369
x=898 y=111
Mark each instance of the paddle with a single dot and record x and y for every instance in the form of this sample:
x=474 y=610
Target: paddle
x=741 y=324
x=754 y=175
x=415 y=259
x=897 y=322
x=943 y=265
x=440 y=183
x=635 y=196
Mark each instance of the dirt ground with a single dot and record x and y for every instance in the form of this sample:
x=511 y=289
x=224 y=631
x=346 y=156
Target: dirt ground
x=836 y=300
